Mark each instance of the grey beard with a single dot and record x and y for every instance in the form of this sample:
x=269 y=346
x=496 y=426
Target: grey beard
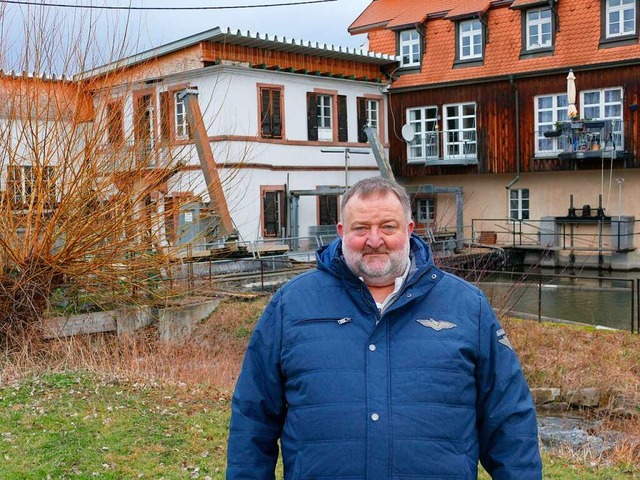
x=374 y=275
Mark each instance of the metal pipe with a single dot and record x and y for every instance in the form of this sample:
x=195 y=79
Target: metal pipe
x=517 y=125
x=539 y=298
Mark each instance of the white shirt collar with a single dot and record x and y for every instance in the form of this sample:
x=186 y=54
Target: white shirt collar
x=397 y=285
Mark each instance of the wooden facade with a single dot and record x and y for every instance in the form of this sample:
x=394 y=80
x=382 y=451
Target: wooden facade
x=504 y=68
x=497 y=122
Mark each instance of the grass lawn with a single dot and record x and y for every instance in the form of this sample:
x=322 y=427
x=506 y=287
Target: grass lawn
x=77 y=425
x=132 y=407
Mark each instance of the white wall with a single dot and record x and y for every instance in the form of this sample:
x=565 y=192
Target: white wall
x=229 y=100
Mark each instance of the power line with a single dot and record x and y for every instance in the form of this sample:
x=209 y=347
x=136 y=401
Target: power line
x=122 y=7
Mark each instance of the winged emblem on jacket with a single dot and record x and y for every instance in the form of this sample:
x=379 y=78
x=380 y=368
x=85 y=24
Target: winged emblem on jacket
x=437 y=325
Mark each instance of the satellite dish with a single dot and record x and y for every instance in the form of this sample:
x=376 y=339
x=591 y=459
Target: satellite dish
x=408 y=133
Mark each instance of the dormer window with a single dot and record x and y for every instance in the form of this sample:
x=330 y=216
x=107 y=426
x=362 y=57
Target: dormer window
x=409 y=47
x=470 y=41
x=539 y=29
x=620 y=18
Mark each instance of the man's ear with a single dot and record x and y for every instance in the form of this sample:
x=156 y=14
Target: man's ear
x=340 y=229
x=410 y=227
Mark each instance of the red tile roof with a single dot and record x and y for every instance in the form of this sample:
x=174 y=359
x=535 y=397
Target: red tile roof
x=576 y=42
x=522 y=3
x=395 y=13
x=468 y=8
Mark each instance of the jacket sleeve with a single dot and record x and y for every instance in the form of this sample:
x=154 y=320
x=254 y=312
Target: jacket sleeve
x=258 y=405
x=507 y=425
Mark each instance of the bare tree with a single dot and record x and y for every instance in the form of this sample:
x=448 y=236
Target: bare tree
x=81 y=204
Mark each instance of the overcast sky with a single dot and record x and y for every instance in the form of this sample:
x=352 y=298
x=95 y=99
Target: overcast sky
x=322 y=22
x=325 y=22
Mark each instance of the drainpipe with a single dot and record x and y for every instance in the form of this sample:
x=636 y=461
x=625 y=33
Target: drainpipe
x=517 y=123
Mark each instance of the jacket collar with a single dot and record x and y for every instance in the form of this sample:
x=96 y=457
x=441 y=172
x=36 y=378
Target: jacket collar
x=330 y=259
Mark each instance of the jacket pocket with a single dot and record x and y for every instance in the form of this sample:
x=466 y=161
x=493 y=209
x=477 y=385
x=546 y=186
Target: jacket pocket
x=336 y=320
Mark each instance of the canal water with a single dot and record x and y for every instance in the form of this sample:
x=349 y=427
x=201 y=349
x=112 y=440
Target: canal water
x=604 y=301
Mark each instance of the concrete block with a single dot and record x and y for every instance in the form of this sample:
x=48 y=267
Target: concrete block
x=545 y=395
x=177 y=323
x=584 y=397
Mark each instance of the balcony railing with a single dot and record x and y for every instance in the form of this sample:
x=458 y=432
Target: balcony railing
x=133 y=155
x=581 y=139
x=448 y=147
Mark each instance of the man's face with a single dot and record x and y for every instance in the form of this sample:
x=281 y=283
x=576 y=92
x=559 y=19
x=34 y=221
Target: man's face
x=375 y=238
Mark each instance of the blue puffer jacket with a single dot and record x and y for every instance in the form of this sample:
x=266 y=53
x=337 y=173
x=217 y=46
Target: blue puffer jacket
x=422 y=391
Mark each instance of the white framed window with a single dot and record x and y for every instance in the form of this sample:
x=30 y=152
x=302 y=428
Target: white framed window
x=424 y=121
x=27 y=184
x=538 y=28
x=324 y=104
x=460 y=138
x=470 y=38
x=620 y=18
x=181 y=125
x=519 y=204
x=371 y=107
x=605 y=104
x=425 y=210
x=550 y=110
x=409 y=44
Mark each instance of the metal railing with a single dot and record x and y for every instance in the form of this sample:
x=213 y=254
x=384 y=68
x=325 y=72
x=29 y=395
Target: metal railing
x=593 y=138
x=132 y=155
x=438 y=147
x=584 y=233
x=608 y=301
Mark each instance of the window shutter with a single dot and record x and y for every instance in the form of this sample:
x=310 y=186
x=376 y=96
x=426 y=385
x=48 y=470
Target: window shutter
x=328 y=210
x=276 y=119
x=265 y=112
x=343 y=134
x=115 y=130
x=362 y=119
x=312 y=117
x=138 y=120
x=165 y=112
x=15 y=184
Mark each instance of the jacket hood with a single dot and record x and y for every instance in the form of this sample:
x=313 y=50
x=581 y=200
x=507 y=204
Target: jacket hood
x=329 y=257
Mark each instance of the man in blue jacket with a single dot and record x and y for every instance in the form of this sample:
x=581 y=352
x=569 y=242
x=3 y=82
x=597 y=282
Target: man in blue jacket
x=378 y=365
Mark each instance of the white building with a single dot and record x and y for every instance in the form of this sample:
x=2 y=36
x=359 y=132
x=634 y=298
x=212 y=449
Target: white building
x=270 y=107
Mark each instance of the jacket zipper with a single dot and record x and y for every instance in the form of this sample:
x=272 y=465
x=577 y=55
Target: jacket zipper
x=339 y=321
x=367 y=301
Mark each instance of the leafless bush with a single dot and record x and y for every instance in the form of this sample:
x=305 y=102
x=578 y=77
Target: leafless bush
x=82 y=209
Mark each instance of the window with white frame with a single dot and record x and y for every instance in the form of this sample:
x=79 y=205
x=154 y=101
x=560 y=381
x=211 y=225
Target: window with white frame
x=409 y=45
x=425 y=210
x=470 y=38
x=368 y=116
x=325 y=131
x=538 y=28
x=605 y=104
x=460 y=139
x=549 y=111
x=519 y=204
x=620 y=18
x=27 y=184
x=372 y=113
x=424 y=121
x=181 y=124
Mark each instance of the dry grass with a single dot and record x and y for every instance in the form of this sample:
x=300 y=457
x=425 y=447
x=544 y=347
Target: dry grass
x=213 y=359
x=552 y=355
x=570 y=357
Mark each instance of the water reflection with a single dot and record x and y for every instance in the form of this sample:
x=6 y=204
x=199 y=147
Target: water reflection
x=595 y=301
